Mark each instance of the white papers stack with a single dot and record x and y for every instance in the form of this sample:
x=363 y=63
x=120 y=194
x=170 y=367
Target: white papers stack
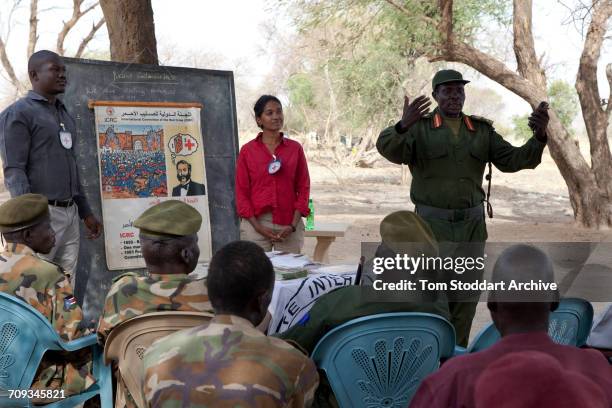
x=289 y=266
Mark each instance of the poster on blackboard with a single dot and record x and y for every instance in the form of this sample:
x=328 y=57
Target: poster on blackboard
x=147 y=153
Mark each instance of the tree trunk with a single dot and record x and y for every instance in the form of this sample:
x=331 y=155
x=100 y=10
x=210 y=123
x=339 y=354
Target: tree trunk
x=131 y=30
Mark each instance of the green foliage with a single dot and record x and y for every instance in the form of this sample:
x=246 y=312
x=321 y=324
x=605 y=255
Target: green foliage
x=564 y=100
x=358 y=57
x=301 y=90
x=522 y=131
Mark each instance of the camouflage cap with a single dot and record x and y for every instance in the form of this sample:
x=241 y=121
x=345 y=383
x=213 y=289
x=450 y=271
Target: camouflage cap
x=23 y=211
x=445 y=76
x=401 y=228
x=172 y=217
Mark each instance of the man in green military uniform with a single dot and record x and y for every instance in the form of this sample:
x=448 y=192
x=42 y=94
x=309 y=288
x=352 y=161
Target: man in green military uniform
x=229 y=363
x=26 y=227
x=169 y=241
x=447 y=152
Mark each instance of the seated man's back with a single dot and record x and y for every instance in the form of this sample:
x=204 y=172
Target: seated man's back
x=169 y=242
x=132 y=295
x=228 y=362
x=453 y=385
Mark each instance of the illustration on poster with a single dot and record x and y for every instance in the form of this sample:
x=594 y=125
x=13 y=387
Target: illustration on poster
x=182 y=145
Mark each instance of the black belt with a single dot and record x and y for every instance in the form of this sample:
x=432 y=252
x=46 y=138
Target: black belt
x=450 y=215
x=61 y=203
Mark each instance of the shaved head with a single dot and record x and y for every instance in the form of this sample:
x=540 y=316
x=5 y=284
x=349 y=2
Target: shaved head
x=40 y=57
x=47 y=74
x=526 y=310
x=523 y=263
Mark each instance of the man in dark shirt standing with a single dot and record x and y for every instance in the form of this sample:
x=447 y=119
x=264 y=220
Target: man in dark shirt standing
x=36 y=147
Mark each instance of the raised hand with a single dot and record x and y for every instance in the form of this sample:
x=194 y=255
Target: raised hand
x=538 y=121
x=413 y=111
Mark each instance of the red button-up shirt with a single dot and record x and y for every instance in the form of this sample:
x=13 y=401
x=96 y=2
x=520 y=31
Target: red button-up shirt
x=259 y=192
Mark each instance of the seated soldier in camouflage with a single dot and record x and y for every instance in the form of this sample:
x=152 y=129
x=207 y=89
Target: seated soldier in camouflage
x=229 y=363
x=26 y=228
x=402 y=232
x=169 y=242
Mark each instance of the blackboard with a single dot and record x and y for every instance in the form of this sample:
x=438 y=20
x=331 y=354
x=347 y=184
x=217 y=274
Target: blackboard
x=111 y=81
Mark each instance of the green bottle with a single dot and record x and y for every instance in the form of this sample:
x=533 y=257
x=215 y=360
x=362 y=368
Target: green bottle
x=310 y=218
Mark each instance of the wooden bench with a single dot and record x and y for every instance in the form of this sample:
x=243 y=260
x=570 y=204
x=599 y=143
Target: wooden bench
x=326 y=233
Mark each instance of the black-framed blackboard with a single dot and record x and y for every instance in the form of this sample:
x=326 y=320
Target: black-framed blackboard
x=112 y=81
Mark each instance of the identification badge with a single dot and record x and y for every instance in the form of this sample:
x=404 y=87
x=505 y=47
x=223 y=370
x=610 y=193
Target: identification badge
x=274 y=165
x=65 y=137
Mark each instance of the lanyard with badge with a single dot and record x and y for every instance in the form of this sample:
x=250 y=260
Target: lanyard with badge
x=65 y=136
x=274 y=165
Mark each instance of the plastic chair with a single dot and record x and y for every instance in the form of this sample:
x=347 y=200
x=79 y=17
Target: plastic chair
x=127 y=343
x=380 y=360
x=25 y=335
x=570 y=325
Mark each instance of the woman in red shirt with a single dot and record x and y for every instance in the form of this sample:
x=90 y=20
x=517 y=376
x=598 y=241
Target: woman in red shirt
x=272 y=183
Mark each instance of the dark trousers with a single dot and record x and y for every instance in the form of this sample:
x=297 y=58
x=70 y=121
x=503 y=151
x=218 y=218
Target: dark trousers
x=461 y=239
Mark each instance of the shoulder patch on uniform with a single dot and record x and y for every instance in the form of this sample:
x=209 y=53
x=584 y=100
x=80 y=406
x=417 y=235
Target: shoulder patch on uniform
x=124 y=275
x=481 y=119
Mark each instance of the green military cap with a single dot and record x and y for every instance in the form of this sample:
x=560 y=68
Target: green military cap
x=23 y=211
x=400 y=229
x=170 y=218
x=445 y=76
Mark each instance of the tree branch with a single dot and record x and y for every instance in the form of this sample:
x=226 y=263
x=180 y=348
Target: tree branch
x=408 y=13
x=528 y=64
x=445 y=27
x=586 y=81
x=33 y=27
x=609 y=76
x=89 y=37
x=8 y=67
x=77 y=13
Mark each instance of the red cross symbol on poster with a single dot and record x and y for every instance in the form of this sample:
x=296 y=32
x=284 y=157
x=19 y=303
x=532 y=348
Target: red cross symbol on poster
x=188 y=144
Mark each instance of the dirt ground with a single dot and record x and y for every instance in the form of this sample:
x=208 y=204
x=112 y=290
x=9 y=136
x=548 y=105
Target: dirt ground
x=529 y=206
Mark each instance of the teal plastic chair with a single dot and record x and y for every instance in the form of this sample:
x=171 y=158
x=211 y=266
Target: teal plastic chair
x=25 y=335
x=570 y=325
x=380 y=360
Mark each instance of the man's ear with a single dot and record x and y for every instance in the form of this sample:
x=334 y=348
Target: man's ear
x=186 y=255
x=33 y=75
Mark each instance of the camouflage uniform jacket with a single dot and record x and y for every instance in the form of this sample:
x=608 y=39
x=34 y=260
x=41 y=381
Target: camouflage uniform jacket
x=44 y=286
x=133 y=295
x=227 y=363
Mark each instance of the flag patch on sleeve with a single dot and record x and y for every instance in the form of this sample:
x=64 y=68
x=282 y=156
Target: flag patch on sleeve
x=69 y=303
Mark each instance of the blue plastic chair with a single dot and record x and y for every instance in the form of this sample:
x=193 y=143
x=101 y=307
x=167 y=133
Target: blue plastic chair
x=25 y=335
x=570 y=325
x=380 y=360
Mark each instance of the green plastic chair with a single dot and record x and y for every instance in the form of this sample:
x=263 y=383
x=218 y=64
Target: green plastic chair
x=380 y=360
x=25 y=335
x=570 y=325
